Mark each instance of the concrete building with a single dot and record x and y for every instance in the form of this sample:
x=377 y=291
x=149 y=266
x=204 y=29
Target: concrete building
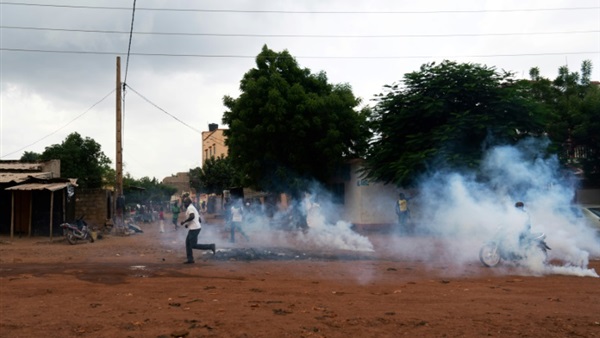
x=213 y=142
x=181 y=181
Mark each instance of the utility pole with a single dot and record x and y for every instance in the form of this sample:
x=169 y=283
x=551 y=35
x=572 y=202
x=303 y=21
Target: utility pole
x=119 y=157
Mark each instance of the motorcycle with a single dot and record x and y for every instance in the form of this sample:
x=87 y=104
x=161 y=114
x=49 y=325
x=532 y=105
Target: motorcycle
x=499 y=248
x=132 y=227
x=77 y=231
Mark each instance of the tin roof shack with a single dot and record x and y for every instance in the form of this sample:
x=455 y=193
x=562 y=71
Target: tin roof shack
x=34 y=199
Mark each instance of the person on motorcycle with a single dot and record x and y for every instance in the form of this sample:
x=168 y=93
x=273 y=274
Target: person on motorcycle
x=525 y=220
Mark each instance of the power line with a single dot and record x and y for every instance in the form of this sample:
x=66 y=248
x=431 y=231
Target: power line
x=348 y=57
x=130 y=38
x=214 y=139
x=127 y=62
x=164 y=111
x=333 y=36
x=57 y=130
x=305 y=12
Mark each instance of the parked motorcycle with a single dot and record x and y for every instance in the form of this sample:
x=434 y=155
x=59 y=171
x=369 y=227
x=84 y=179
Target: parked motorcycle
x=77 y=231
x=499 y=248
x=132 y=227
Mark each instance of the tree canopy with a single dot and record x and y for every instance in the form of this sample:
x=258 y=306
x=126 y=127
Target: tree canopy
x=447 y=114
x=290 y=125
x=216 y=175
x=79 y=158
x=146 y=190
x=30 y=156
x=574 y=123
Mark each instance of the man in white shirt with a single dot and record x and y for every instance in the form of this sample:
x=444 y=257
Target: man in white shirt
x=237 y=212
x=192 y=222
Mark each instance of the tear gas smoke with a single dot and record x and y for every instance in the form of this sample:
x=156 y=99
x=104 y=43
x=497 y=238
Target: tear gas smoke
x=324 y=227
x=455 y=213
x=465 y=210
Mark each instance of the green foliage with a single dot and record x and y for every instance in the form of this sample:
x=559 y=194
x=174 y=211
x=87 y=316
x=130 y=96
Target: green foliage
x=146 y=190
x=216 y=175
x=586 y=134
x=30 y=156
x=574 y=124
x=289 y=124
x=79 y=158
x=109 y=177
x=446 y=115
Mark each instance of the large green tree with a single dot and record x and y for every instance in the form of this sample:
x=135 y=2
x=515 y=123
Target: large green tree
x=30 y=156
x=146 y=190
x=574 y=125
x=216 y=175
x=79 y=158
x=446 y=115
x=290 y=125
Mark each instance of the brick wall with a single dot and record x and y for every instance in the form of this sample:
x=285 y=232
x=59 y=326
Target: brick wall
x=94 y=204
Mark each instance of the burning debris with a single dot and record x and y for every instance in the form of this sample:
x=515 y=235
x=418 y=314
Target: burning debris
x=286 y=254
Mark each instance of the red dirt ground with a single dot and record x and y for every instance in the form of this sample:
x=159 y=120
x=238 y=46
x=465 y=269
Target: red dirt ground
x=136 y=286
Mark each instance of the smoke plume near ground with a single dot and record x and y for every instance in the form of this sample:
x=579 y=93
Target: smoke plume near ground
x=454 y=214
x=324 y=229
x=465 y=209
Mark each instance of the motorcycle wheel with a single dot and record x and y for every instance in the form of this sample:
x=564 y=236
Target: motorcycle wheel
x=71 y=237
x=489 y=255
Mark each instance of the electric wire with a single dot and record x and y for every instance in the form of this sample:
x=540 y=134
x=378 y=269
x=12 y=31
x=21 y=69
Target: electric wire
x=129 y=46
x=131 y=32
x=323 y=36
x=454 y=11
x=164 y=111
x=214 y=139
x=126 y=72
x=57 y=130
x=347 y=57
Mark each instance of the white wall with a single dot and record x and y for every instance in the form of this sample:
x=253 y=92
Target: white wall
x=368 y=203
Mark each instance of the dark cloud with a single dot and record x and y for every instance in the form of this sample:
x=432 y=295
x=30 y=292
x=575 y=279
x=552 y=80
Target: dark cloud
x=63 y=86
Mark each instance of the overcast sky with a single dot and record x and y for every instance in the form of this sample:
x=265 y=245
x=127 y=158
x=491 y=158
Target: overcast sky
x=58 y=59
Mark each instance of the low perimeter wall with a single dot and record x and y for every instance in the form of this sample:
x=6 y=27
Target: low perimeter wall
x=94 y=205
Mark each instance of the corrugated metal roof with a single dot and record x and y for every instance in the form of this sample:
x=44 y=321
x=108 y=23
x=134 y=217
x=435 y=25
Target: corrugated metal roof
x=9 y=165
x=41 y=186
x=22 y=177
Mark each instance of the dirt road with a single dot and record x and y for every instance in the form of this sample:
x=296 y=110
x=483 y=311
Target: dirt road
x=136 y=286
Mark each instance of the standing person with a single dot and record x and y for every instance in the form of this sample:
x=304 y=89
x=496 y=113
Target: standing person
x=236 y=220
x=161 y=219
x=192 y=223
x=175 y=210
x=403 y=211
x=227 y=212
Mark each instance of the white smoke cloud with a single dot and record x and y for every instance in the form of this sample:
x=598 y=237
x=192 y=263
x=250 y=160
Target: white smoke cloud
x=324 y=227
x=454 y=214
x=464 y=210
